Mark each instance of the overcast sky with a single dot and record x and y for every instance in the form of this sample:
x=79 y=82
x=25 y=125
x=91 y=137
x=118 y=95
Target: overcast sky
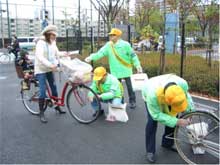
x=30 y=8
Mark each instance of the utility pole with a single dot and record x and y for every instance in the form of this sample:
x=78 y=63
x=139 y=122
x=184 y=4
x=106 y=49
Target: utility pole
x=16 y=17
x=2 y=30
x=9 y=28
x=86 y=25
x=92 y=36
x=182 y=37
x=79 y=14
x=53 y=11
x=162 y=52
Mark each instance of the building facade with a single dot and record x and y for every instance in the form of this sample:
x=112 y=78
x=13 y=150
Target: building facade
x=22 y=27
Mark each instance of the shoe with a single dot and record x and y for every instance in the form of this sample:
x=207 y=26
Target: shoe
x=57 y=108
x=42 y=118
x=132 y=105
x=171 y=148
x=151 y=157
x=100 y=113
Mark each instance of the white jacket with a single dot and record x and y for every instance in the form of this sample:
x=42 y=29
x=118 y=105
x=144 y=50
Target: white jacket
x=46 y=55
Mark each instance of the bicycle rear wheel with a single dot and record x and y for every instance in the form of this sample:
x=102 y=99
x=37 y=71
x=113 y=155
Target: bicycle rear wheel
x=5 y=59
x=198 y=143
x=80 y=107
x=30 y=98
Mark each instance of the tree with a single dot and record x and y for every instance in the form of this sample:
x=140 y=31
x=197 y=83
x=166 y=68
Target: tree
x=207 y=12
x=144 y=9
x=109 y=10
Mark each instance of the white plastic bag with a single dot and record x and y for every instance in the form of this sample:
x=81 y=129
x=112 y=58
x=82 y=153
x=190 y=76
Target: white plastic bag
x=138 y=81
x=77 y=70
x=117 y=113
x=197 y=130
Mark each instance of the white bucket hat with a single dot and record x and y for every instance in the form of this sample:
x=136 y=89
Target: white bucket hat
x=50 y=29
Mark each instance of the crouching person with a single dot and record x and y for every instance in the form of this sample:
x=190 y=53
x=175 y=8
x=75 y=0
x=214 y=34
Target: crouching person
x=107 y=87
x=165 y=96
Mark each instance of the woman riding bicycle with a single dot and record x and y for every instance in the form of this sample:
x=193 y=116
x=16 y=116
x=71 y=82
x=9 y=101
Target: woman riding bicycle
x=45 y=63
x=165 y=96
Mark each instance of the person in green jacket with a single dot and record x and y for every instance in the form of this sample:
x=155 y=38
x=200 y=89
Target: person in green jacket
x=122 y=59
x=165 y=96
x=107 y=87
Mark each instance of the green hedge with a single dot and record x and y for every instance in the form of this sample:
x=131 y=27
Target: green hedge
x=201 y=78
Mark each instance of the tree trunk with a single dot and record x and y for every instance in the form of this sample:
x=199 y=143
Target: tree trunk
x=210 y=51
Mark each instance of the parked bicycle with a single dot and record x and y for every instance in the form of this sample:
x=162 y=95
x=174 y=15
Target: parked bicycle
x=198 y=143
x=7 y=56
x=76 y=96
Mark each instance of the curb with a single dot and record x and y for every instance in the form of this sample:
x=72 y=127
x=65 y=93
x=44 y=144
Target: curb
x=205 y=98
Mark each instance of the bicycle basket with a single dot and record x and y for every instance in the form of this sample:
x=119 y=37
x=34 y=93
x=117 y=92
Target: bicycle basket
x=77 y=71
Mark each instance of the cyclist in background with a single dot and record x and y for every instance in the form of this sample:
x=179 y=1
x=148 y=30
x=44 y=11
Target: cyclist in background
x=107 y=87
x=165 y=96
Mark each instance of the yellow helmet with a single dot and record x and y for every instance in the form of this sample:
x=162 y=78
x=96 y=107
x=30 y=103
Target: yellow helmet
x=176 y=98
x=116 y=32
x=99 y=73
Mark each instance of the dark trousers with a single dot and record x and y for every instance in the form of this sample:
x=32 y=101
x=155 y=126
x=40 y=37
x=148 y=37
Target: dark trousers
x=42 y=77
x=131 y=94
x=150 y=134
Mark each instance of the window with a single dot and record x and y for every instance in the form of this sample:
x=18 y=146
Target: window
x=12 y=20
x=31 y=21
x=22 y=40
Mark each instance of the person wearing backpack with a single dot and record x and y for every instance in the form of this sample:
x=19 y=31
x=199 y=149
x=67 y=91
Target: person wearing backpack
x=122 y=59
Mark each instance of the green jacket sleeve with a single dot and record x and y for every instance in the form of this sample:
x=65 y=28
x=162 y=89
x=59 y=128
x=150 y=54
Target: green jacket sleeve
x=101 y=53
x=133 y=55
x=94 y=88
x=107 y=95
x=158 y=115
x=190 y=106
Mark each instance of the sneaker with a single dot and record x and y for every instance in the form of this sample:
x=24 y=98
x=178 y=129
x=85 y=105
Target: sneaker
x=132 y=105
x=151 y=157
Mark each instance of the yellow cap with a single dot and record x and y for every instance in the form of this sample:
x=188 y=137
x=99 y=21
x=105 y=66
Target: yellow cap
x=99 y=73
x=176 y=98
x=116 y=32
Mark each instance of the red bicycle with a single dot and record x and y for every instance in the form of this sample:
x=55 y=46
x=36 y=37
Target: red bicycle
x=76 y=99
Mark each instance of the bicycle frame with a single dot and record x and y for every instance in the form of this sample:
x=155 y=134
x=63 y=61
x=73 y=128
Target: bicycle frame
x=59 y=100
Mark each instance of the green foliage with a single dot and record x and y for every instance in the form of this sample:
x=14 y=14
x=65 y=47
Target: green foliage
x=201 y=78
x=147 y=32
x=197 y=73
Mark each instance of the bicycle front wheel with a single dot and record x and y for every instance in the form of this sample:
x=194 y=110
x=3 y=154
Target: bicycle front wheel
x=80 y=107
x=198 y=143
x=5 y=59
x=30 y=98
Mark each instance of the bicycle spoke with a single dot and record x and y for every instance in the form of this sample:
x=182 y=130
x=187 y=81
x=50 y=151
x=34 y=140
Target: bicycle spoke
x=212 y=130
